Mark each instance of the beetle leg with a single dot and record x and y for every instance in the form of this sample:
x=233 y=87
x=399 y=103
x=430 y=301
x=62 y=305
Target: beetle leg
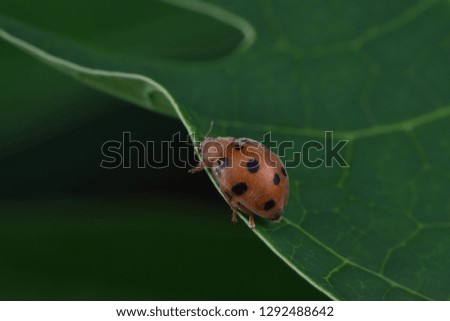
x=197 y=169
x=251 y=221
x=234 y=216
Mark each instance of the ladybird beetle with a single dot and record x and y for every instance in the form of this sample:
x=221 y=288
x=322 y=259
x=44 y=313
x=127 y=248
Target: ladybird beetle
x=251 y=178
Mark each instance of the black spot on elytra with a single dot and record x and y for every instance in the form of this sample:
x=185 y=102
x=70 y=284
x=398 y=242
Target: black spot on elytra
x=283 y=171
x=239 y=189
x=237 y=147
x=253 y=165
x=269 y=204
x=276 y=179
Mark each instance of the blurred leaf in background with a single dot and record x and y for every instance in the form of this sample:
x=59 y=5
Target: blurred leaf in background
x=374 y=73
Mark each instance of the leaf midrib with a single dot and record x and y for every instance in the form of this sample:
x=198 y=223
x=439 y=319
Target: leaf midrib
x=405 y=125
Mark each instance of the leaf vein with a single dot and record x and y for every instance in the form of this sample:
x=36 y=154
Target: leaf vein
x=354 y=264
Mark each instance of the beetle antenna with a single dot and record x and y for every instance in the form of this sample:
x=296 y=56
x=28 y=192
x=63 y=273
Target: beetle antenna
x=210 y=129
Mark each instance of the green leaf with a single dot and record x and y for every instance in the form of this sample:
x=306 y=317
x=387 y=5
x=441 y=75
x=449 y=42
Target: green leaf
x=374 y=73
